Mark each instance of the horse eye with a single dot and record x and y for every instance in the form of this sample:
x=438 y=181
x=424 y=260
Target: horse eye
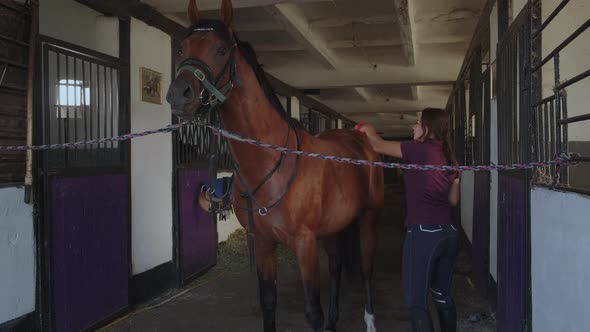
x=222 y=50
x=180 y=51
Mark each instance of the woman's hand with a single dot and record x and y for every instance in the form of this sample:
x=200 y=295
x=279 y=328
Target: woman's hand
x=367 y=129
x=390 y=148
x=370 y=132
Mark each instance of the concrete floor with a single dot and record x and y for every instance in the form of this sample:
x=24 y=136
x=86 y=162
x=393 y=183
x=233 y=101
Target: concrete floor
x=226 y=299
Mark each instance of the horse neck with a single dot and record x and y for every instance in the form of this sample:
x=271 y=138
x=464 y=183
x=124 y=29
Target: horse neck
x=249 y=113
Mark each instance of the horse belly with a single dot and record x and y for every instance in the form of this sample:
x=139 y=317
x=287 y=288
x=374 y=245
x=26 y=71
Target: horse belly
x=342 y=209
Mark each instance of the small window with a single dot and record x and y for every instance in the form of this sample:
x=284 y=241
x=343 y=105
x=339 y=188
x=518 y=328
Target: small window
x=72 y=95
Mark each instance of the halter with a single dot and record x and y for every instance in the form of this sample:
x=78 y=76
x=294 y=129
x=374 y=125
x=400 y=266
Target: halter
x=216 y=96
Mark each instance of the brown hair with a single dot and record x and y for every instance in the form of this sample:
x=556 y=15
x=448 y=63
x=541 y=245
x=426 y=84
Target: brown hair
x=435 y=124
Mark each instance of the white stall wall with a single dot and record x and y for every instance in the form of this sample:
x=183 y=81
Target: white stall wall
x=560 y=247
x=17 y=255
x=295 y=108
x=151 y=156
x=74 y=23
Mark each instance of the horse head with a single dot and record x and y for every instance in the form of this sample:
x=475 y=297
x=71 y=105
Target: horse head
x=206 y=71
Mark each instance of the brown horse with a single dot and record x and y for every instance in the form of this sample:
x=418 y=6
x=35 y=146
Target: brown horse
x=293 y=200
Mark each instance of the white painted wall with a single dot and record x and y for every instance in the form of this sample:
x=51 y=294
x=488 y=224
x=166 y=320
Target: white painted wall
x=340 y=124
x=560 y=235
x=70 y=21
x=467 y=192
x=17 y=255
x=493 y=32
x=295 y=108
x=283 y=101
x=151 y=156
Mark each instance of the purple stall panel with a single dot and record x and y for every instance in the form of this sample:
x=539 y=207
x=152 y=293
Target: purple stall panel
x=198 y=234
x=90 y=249
x=481 y=230
x=512 y=248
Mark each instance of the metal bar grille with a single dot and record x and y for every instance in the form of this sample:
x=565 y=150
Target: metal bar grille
x=193 y=145
x=550 y=18
x=551 y=113
x=475 y=142
x=563 y=45
x=81 y=102
x=513 y=93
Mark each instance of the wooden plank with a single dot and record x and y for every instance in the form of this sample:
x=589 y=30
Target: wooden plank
x=12 y=141
x=12 y=6
x=14 y=24
x=6 y=159
x=14 y=135
x=18 y=91
x=12 y=124
x=12 y=100
x=13 y=41
x=12 y=168
x=9 y=155
x=14 y=27
x=9 y=50
x=14 y=77
x=13 y=111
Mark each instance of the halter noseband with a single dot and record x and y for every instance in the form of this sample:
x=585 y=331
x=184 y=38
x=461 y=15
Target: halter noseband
x=217 y=96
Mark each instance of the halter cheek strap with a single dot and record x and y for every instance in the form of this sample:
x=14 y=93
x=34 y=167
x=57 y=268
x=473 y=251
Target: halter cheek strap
x=217 y=96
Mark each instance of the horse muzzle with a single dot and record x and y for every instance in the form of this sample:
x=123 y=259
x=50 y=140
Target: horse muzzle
x=182 y=98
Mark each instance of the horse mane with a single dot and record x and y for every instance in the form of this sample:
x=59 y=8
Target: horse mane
x=249 y=55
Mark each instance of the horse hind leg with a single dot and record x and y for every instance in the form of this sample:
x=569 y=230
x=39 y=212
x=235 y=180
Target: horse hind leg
x=368 y=241
x=335 y=266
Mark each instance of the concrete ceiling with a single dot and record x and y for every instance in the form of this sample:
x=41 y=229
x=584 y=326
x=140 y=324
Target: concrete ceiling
x=379 y=61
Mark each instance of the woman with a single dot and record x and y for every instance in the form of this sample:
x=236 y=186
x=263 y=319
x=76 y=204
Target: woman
x=431 y=243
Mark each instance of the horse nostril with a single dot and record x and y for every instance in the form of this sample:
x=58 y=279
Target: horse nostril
x=188 y=93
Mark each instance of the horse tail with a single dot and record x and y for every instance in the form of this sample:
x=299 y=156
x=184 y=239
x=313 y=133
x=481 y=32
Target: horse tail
x=349 y=247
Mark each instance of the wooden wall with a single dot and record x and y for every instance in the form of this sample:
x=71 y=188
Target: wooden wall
x=14 y=36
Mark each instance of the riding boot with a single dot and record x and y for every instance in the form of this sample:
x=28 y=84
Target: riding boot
x=448 y=318
x=421 y=321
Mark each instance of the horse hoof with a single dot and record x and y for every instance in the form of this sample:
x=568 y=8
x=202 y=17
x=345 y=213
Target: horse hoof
x=370 y=321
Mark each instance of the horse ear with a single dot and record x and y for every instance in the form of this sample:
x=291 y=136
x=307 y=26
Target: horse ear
x=226 y=13
x=193 y=12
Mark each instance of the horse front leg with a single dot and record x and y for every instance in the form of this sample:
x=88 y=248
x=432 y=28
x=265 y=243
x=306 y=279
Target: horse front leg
x=307 y=254
x=266 y=268
x=368 y=239
x=335 y=265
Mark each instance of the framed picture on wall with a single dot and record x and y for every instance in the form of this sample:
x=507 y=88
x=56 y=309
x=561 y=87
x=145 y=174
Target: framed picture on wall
x=150 y=83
